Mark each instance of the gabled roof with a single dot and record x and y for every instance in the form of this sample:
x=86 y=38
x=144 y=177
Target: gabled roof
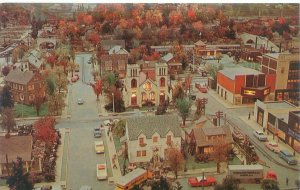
x=148 y=125
x=15 y=146
x=34 y=58
x=200 y=43
x=19 y=77
x=168 y=57
x=117 y=50
x=200 y=134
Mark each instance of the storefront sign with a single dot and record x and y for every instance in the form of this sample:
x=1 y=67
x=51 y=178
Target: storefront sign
x=255 y=92
x=294 y=135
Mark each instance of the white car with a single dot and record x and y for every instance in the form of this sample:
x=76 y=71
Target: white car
x=101 y=172
x=260 y=135
x=99 y=147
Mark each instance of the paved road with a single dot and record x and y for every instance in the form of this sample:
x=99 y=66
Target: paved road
x=82 y=157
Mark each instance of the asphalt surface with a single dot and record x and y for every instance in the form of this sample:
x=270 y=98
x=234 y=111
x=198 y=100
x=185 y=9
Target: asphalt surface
x=82 y=158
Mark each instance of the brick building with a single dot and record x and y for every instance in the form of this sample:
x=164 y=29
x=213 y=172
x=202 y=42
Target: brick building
x=25 y=85
x=241 y=85
x=286 y=66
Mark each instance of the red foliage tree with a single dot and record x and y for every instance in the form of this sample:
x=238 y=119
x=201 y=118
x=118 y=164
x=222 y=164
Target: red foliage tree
x=45 y=130
x=97 y=87
x=94 y=38
x=154 y=56
x=191 y=15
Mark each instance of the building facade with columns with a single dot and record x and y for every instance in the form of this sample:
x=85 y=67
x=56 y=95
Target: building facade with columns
x=146 y=83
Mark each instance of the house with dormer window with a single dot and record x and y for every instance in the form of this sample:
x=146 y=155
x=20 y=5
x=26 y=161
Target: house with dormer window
x=149 y=136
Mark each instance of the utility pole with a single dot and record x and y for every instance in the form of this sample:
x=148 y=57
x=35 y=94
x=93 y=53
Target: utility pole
x=219 y=114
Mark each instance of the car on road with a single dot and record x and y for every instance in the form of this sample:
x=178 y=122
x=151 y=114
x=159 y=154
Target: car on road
x=99 y=147
x=260 y=135
x=80 y=101
x=200 y=181
x=97 y=132
x=101 y=172
x=288 y=157
x=85 y=187
x=273 y=146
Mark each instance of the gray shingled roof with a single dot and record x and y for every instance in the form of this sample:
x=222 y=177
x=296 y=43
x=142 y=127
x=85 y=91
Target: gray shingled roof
x=19 y=77
x=148 y=125
x=15 y=146
x=168 y=57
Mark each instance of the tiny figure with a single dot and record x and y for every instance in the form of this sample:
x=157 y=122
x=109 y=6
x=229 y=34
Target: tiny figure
x=249 y=116
x=287 y=181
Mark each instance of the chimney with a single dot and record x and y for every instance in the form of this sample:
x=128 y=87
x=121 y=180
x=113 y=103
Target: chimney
x=280 y=48
x=256 y=42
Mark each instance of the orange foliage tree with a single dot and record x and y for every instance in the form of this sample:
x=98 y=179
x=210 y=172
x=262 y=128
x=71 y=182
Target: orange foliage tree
x=45 y=130
x=220 y=152
x=175 y=160
x=97 y=87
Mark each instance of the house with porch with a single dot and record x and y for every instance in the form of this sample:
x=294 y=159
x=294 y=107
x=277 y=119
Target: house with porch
x=17 y=146
x=151 y=136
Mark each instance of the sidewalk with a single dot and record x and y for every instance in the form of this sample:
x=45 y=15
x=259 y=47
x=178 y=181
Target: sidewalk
x=226 y=104
x=116 y=172
x=282 y=145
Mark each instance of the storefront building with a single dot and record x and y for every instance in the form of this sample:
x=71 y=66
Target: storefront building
x=241 y=85
x=286 y=66
x=281 y=119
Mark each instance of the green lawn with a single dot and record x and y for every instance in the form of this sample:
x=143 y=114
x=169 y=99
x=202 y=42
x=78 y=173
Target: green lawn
x=29 y=111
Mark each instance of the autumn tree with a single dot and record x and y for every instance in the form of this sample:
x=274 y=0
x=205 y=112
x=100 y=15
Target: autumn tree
x=45 y=130
x=229 y=183
x=6 y=97
x=8 y=119
x=19 y=180
x=114 y=96
x=61 y=80
x=119 y=128
x=175 y=160
x=178 y=92
x=97 y=87
x=38 y=99
x=5 y=70
x=220 y=152
x=55 y=103
x=183 y=106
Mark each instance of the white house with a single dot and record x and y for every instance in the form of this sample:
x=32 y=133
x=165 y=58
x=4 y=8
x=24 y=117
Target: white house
x=149 y=136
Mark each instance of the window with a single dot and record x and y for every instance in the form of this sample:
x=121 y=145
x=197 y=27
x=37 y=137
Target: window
x=133 y=83
x=162 y=82
x=108 y=65
x=144 y=153
x=169 y=138
x=155 y=139
x=141 y=141
x=138 y=153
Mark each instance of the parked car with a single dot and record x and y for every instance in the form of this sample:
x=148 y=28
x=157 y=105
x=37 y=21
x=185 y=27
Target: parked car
x=97 y=132
x=101 y=172
x=288 y=157
x=200 y=181
x=273 y=146
x=80 y=101
x=99 y=147
x=260 y=135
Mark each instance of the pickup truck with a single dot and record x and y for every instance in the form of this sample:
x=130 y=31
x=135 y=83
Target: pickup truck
x=101 y=172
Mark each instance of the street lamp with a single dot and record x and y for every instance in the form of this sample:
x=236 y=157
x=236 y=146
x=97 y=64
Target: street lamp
x=113 y=96
x=202 y=179
x=22 y=99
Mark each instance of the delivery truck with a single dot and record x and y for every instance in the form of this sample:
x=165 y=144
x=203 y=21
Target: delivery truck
x=250 y=173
